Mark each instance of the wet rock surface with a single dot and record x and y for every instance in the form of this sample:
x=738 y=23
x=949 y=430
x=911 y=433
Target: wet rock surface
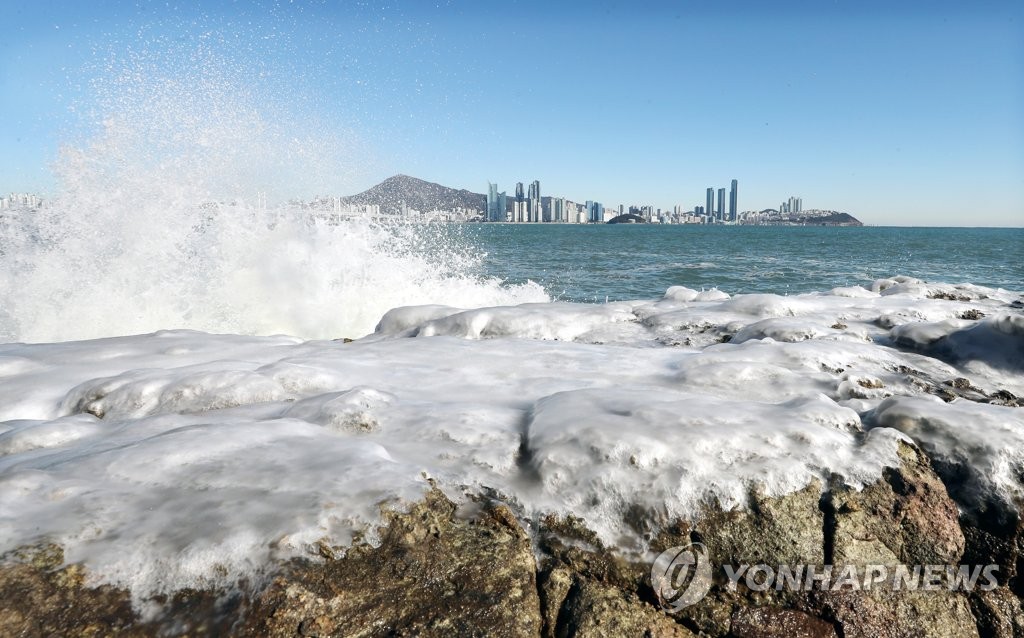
x=474 y=570
x=772 y=622
x=40 y=596
x=432 y=575
x=998 y=613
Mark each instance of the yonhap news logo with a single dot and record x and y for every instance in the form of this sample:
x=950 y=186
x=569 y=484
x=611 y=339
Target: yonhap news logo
x=681 y=576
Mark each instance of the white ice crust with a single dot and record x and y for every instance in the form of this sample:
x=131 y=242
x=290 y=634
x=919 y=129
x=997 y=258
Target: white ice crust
x=185 y=459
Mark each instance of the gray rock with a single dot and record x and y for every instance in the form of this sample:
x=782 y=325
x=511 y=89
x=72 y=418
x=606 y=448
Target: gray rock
x=773 y=531
x=42 y=597
x=999 y=614
x=904 y=518
x=771 y=622
x=433 y=574
x=595 y=610
x=907 y=517
x=881 y=613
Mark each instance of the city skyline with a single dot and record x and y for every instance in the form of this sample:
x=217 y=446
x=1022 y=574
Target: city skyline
x=530 y=209
x=556 y=210
x=873 y=108
x=524 y=209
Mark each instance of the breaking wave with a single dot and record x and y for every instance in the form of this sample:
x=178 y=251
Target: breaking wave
x=178 y=210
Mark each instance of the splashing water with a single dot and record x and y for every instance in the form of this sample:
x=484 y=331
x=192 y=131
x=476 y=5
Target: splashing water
x=156 y=224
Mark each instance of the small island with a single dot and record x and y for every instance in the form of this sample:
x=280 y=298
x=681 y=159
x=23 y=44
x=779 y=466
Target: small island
x=628 y=218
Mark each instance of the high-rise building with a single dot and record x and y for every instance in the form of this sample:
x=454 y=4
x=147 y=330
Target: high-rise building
x=733 y=197
x=519 y=191
x=558 y=210
x=720 y=211
x=709 y=205
x=535 y=201
x=572 y=213
x=495 y=204
x=795 y=204
x=520 y=211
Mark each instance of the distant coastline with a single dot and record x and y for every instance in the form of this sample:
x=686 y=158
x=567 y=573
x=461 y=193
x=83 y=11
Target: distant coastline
x=413 y=199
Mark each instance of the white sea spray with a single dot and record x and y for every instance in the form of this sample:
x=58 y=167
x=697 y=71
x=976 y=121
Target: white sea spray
x=177 y=210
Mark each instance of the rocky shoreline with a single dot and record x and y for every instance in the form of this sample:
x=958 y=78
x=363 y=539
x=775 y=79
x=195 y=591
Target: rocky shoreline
x=841 y=464
x=478 y=569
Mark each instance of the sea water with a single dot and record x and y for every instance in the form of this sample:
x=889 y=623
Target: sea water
x=593 y=262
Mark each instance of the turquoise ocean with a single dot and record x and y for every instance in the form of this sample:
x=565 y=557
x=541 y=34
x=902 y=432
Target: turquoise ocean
x=593 y=262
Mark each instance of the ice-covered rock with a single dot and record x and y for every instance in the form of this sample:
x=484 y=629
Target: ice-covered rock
x=639 y=421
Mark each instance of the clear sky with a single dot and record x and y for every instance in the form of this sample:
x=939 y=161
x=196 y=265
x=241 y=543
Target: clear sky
x=899 y=113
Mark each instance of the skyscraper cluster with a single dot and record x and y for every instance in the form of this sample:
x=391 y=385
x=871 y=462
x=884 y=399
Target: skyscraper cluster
x=528 y=206
x=794 y=205
x=718 y=210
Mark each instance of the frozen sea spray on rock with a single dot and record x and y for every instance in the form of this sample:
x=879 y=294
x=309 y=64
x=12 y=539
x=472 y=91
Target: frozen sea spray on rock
x=598 y=431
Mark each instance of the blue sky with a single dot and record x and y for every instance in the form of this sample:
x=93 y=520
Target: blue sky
x=900 y=113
